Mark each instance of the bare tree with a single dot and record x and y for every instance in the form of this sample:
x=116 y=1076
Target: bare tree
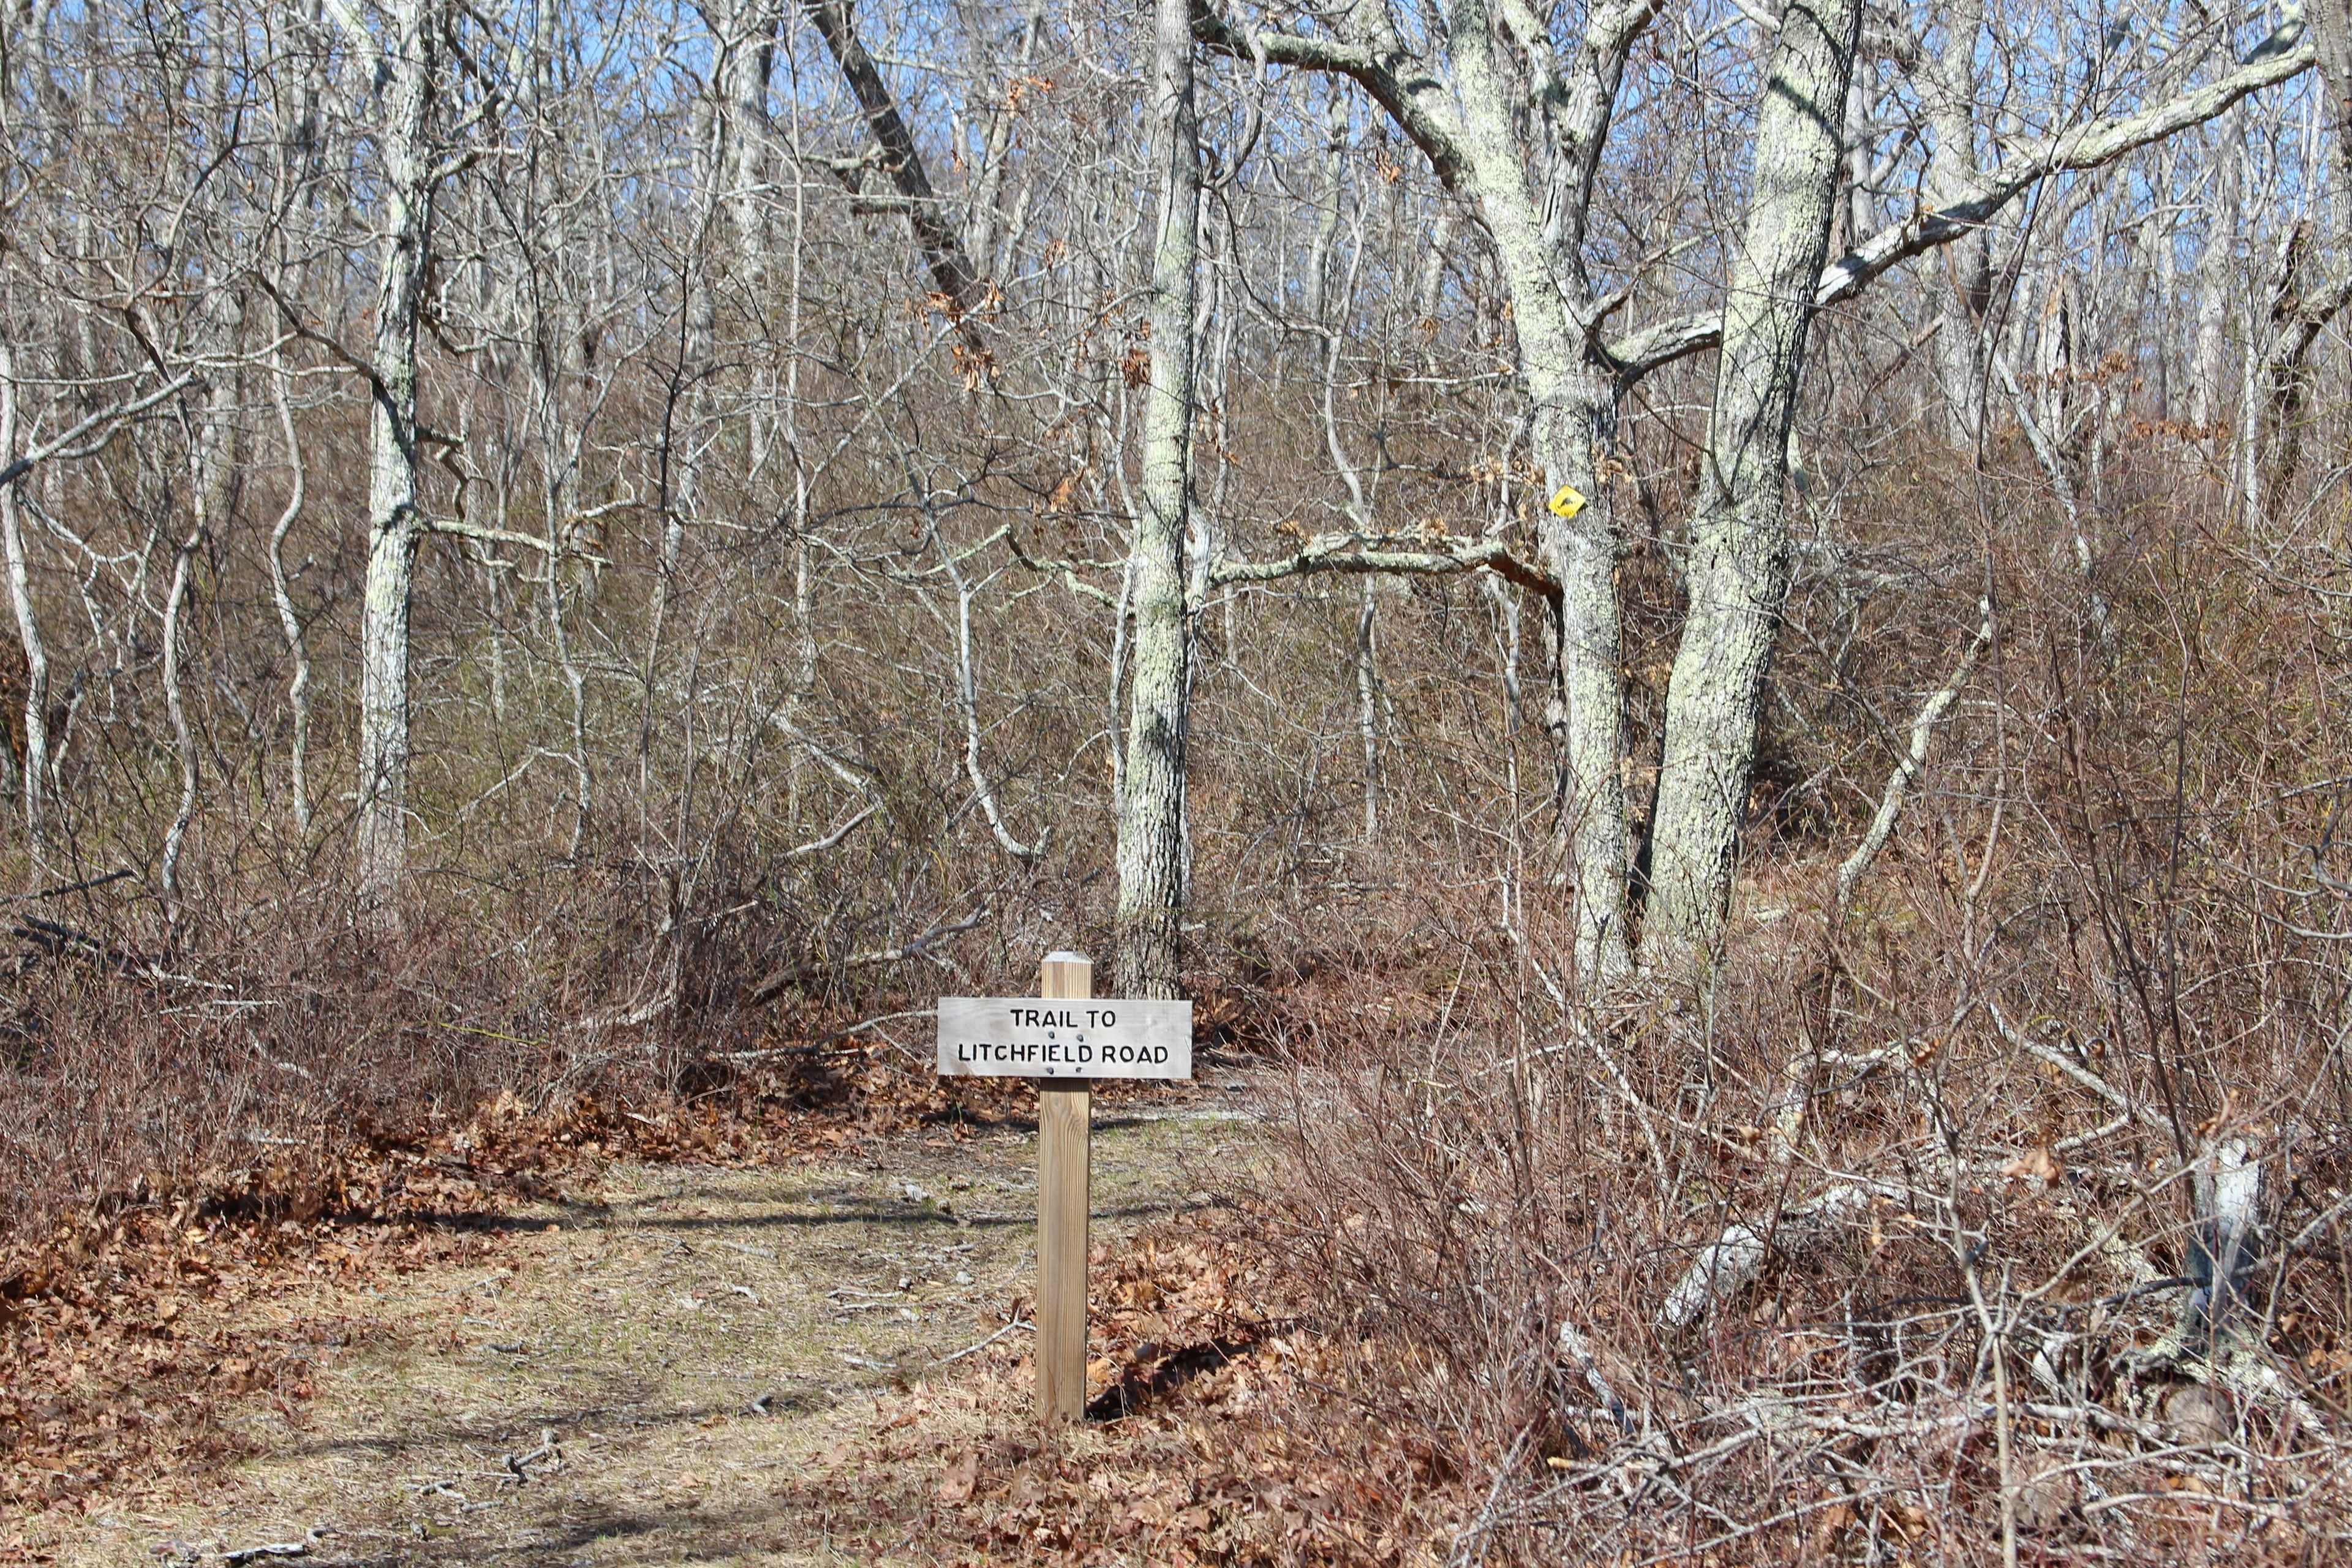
x=403 y=64
x=1507 y=106
x=1738 y=568
x=1154 y=858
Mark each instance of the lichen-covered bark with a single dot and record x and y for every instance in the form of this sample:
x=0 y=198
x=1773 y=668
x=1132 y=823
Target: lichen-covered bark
x=1574 y=410
x=1739 y=569
x=35 y=756
x=1953 y=177
x=395 y=525
x=1519 y=125
x=1151 y=854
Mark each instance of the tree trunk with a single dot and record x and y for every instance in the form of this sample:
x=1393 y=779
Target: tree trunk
x=686 y=432
x=2218 y=283
x=2305 y=302
x=1151 y=828
x=1574 y=423
x=1332 y=197
x=34 y=757
x=934 y=230
x=297 y=689
x=1739 y=569
x=2331 y=27
x=1952 y=178
x=214 y=462
x=394 y=526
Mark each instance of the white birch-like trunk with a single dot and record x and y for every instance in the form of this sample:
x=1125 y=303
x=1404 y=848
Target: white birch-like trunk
x=1151 y=828
x=297 y=689
x=28 y=625
x=1429 y=293
x=2218 y=283
x=175 y=708
x=1332 y=197
x=212 y=462
x=1860 y=213
x=1575 y=408
x=394 y=526
x=1738 y=570
x=1953 y=177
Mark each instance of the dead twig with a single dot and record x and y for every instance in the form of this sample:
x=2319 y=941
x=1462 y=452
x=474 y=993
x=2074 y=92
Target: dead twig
x=279 y=1547
x=824 y=1044
x=968 y=1350
x=547 y=1455
x=775 y=984
x=80 y=887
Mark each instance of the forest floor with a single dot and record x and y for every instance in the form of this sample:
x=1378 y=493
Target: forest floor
x=816 y=1364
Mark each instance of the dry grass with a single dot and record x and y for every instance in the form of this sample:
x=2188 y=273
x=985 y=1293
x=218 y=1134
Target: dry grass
x=738 y=1364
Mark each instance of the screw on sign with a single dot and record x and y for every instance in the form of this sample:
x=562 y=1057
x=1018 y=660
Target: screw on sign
x=1064 y=1037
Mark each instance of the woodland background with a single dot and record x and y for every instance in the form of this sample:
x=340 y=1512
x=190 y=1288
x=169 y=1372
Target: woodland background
x=773 y=412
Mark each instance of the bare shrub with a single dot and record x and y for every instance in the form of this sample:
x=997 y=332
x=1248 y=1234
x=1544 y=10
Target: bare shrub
x=2004 y=1208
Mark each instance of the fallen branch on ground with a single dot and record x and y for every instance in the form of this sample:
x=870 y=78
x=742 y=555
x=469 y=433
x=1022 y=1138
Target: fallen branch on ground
x=1736 y=1256
x=547 y=1455
x=277 y=1548
x=958 y=1355
x=775 y=984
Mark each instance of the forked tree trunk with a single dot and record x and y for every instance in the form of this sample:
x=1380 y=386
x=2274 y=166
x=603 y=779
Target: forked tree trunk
x=1152 y=851
x=1521 y=126
x=395 y=525
x=1739 y=569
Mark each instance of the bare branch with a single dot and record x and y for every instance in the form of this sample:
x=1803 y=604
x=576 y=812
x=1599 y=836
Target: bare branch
x=935 y=232
x=1349 y=552
x=775 y=984
x=489 y=535
x=1397 y=81
x=2285 y=55
x=1907 y=771
x=819 y=845
x=63 y=445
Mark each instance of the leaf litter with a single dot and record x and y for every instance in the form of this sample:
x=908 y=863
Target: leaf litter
x=468 y=1342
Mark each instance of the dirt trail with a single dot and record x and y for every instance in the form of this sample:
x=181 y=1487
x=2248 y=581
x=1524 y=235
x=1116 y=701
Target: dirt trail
x=702 y=1344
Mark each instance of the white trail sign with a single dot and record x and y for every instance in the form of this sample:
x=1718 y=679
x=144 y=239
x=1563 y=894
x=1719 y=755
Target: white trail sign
x=997 y=1037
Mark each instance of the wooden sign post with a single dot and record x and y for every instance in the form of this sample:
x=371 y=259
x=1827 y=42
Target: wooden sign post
x=1065 y=1048
x=1064 y=1175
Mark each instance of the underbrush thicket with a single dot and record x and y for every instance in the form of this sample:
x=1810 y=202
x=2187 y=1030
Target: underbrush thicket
x=1999 y=1213
x=1888 y=1235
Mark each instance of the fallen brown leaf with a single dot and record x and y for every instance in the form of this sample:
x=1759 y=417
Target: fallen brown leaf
x=2039 y=1164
